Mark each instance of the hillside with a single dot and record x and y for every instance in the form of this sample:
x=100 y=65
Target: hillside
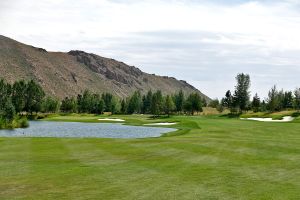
x=67 y=74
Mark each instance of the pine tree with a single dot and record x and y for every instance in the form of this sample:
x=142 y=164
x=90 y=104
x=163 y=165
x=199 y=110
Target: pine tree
x=179 y=101
x=123 y=106
x=288 y=99
x=297 y=99
x=169 y=105
x=135 y=102
x=156 y=104
x=273 y=102
x=256 y=103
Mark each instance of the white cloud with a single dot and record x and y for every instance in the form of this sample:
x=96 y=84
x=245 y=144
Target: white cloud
x=194 y=40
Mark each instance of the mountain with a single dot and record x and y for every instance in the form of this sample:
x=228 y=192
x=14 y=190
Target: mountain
x=67 y=74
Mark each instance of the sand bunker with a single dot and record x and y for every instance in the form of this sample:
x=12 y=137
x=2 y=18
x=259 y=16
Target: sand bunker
x=110 y=119
x=285 y=119
x=162 y=124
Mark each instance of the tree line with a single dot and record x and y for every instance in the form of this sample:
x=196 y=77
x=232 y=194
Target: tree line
x=239 y=101
x=154 y=103
x=17 y=98
x=28 y=97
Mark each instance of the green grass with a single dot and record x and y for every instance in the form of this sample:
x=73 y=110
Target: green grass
x=210 y=157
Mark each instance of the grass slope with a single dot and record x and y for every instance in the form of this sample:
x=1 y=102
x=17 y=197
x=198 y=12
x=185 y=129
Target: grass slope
x=209 y=158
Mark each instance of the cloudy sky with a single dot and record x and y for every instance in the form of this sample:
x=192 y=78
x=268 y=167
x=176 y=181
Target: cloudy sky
x=206 y=42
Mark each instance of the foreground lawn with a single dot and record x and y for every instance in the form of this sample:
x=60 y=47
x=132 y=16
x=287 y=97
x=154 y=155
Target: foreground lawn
x=209 y=158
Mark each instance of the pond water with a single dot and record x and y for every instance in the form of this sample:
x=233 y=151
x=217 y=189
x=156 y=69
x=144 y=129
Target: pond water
x=81 y=130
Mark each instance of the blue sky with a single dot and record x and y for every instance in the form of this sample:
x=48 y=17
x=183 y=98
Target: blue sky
x=203 y=42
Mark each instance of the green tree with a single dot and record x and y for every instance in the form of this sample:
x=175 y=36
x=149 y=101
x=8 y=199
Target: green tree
x=179 y=101
x=123 y=106
x=156 y=103
x=214 y=103
x=204 y=102
x=256 y=103
x=50 y=105
x=228 y=100
x=280 y=97
x=193 y=103
x=169 y=105
x=34 y=96
x=18 y=95
x=85 y=103
x=147 y=100
x=263 y=106
x=9 y=111
x=288 y=99
x=100 y=105
x=135 y=102
x=115 y=105
x=297 y=99
x=241 y=94
x=273 y=101
x=4 y=93
x=69 y=105
x=108 y=101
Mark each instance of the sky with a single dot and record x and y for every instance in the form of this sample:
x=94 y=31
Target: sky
x=205 y=42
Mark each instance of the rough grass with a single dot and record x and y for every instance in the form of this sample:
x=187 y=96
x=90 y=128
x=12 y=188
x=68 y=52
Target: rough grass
x=274 y=115
x=210 y=158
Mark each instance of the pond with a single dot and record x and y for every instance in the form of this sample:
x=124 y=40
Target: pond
x=82 y=130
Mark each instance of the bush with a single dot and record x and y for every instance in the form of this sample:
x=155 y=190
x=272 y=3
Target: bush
x=23 y=122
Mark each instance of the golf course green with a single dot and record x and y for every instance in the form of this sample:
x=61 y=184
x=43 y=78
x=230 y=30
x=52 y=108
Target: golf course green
x=209 y=157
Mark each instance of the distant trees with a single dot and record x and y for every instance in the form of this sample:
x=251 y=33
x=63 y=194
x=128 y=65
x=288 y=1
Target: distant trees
x=179 y=101
x=287 y=101
x=146 y=102
x=17 y=98
x=255 y=103
x=228 y=100
x=276 y=100
x=135 y=103
x=273 y=99
x=193 y=103
x=169 y=105
x=150 y=103
x=89 y=102
x=297 y=99
x=34 y=96
x=18 y=95
x=111 y=104
x=21 y=96
x=50 y=105
x=214 y=103
x=156 y=103
x=241 y=94
x=239 y=101
x=69 y=105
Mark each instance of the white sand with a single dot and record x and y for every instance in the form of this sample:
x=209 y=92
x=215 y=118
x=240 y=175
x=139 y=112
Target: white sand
x=110 y=119
x=285 y=119
x=162 y=124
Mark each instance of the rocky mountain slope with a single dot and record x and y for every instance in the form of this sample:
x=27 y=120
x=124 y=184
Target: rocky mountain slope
x=67 y=74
